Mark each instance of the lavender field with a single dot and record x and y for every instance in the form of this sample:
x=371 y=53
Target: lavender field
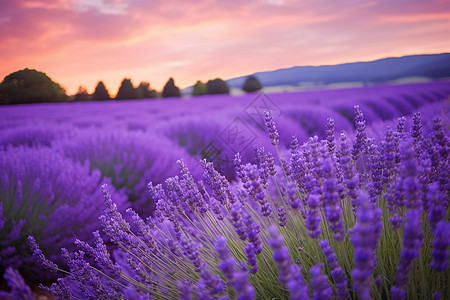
x=332 y=194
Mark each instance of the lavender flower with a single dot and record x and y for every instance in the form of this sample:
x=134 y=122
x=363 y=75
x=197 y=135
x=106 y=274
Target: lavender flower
x=89 y=282
x=256 y=190
x=389 y=152
x=289 y=275
x=271 y=128
x=330 y=136
x=281 y=211
x=237 y=279
x=261 y=162
x=19 y=290
x=271 y=164
x=114 y=225
x=396 y=221
x=143 y=229
x=251 y=258
x=216 y=182
x=291 y=190
x=42 y=194
x=285 y=166
x=40 y=257
x=253 y=230
x=332 y=207
x=190 y=249
x=375 y=187
x=416 y=130
x=321 y=288
x=59 y=289
x=436 y=208
x=100 y=254
x=237 y=221
x=313 y=217
x=336 y=270
x=412 y=242
x=239 y=168
x=407 y=181
x=299 y=170
x=214 y=284
x=361 y=136
x=348 y=172
x=185 y=290
x=364 y=237
x=441 y=243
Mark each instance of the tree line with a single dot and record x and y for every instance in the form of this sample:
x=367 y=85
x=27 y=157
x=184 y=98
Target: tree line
x=32 y=86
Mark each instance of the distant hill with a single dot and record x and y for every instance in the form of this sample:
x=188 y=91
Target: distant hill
x=432 y=66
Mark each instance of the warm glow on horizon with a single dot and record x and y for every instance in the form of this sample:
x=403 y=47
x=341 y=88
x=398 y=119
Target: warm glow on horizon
x=78 y=43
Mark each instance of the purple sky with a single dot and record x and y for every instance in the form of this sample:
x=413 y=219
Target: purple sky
x=79 y=42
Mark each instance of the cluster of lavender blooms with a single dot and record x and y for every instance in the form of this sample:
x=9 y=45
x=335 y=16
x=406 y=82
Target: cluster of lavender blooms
x=42 y=193
x=347 y=218
x=127 y=158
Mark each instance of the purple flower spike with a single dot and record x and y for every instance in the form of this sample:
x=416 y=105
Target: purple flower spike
x=348 y=171
x=19 y=290
x=331 y=142
x=40 y=257
x=185 y=290
x=251 y=258
x=441 y=243
x=389 y=151
x=271 y=164
x=332 y=207
x=361 y=136
x=253 y=230
x=190 y=249
x=255 y=188
x=238 y=279
x=237 y=221
x=364 y=237
x=282 y=215
x=321 y=288
x=239 y=168
x=336 y=271
x=416 y=130
x=313 y=217
x=289 y=274
x=407 y=180
x=375 y=187
x=291 y=190
x=436 y=208
x=396 y=221
x=412 y=242
x=271 y=128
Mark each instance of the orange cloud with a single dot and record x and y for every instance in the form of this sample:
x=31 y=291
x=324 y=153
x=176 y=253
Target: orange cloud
x=79 y=42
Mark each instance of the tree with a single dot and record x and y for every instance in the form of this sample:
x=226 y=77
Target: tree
x=100 y=92
x=126 y=90
x=170 y=89
x=30 y=86
x=251 y=84
x=144 y=91
x=82 y=94
x=217 y=86
x=199 y=89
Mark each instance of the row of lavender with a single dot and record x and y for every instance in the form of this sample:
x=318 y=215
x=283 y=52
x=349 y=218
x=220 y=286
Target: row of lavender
x=363 y=220
x=50 y=163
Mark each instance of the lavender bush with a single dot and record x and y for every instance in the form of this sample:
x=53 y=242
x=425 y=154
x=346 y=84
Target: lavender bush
x=129 y=159
x=350 y=218
x=42 y=193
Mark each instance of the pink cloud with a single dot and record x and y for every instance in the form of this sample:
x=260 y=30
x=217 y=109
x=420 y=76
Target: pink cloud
x=82 y=42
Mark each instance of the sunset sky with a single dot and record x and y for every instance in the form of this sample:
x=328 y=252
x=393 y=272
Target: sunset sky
x=79 y=42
